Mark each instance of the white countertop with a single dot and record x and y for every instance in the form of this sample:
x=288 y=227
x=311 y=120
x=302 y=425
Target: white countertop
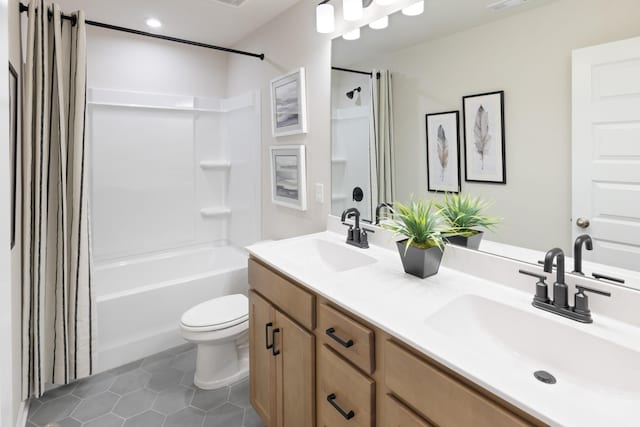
x=408 y=308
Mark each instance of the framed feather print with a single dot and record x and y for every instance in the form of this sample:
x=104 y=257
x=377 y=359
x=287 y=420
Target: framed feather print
x=484 y=142
x=443 y=152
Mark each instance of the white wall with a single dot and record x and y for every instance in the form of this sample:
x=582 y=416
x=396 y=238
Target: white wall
x=290 y=41
x=529 y=57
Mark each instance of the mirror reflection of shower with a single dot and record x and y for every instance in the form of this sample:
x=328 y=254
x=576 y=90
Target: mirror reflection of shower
x=352 y=93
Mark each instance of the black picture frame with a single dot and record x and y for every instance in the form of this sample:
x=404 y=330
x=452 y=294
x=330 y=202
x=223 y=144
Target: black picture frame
x=431 y=185
x=501 y=165
x=14 y=92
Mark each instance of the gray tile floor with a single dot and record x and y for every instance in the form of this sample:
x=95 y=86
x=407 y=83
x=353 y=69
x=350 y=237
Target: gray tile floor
x=154 y=392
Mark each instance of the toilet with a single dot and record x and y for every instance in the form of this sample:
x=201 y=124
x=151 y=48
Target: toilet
x=220 y=328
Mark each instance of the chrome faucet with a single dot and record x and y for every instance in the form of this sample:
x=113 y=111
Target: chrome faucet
x=580 y=311
x=355 y=235
x=585 y=240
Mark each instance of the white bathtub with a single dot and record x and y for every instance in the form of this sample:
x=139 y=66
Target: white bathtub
x=140 y=301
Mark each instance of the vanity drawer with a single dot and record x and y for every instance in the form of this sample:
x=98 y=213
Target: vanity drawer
x=395 y=414
x=345 y=396
x=288 y=297
x=439 y=397
x=347 y=337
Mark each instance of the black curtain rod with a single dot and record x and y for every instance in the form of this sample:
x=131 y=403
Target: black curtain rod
x=24 y=8
x=352 y=71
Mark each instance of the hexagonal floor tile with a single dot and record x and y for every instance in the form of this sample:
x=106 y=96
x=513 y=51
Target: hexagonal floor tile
x=227 y=415
x=131 y=381
x=135 y=403
x=68 y=422
x=55 y=410
x=164 y=379
x=240 y=394
x=209 y=399
x=173 y=400
x=57 y=392
x=96 y=406
x=251 y=418
x=157 y=361
x=93 y=385
x=188 y=417
x=185 y=361
x=148 y=419
x=108 y=420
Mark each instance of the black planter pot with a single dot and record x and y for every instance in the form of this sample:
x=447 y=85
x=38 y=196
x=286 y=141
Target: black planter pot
x=420 y=262
x=471 y=242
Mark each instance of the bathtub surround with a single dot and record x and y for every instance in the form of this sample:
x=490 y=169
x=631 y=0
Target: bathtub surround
x=152 y=392
x=58 y=304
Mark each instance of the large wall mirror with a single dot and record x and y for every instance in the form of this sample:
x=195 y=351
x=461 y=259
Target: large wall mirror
x=557 y=81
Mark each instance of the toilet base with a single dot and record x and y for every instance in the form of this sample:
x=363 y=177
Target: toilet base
x=221 y=364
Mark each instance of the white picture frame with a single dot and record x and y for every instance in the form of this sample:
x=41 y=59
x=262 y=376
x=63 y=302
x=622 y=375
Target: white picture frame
x=289 y=104
x=289 y=176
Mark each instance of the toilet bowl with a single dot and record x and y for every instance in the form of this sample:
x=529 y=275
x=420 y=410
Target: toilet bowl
x=220 y=329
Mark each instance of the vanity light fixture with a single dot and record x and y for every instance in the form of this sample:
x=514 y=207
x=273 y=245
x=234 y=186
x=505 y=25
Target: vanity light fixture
x=325 y=20
x=380 y=23
x=153 y=23
x=352 y=10
x=415 y=9
x=352 y=35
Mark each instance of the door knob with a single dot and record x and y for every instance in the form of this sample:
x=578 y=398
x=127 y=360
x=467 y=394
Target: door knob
x=583 y=223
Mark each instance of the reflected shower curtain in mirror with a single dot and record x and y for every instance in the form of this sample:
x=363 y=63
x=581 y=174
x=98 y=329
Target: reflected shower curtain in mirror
x=58 y=304
x=381 y=146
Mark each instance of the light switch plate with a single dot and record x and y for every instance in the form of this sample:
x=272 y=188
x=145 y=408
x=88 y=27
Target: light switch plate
x=319 y=193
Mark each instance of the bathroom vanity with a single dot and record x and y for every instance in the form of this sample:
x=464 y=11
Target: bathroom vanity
x=342 y=337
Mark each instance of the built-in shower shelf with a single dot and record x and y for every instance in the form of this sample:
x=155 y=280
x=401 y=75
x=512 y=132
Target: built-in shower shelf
x=214 y=165
x=338 y=160
x=215 y=212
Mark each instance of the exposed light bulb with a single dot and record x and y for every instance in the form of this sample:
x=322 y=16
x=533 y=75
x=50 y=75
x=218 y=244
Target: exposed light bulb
x=385 y=2
x=415 y=9
x=380 y=23
x=352 y=35
x=325 y=20
x=153 y=23
x=352 y=10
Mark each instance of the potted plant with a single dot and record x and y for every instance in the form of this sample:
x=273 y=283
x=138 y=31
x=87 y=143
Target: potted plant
x=422 y=226
x=464 y=216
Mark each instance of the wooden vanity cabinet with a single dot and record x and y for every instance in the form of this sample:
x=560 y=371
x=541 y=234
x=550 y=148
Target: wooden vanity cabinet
x=346 y=372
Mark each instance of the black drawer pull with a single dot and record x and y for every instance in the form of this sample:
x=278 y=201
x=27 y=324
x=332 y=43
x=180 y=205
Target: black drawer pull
x=347 y=415
x=331 y=332
x=266 y=335
x=273 y=342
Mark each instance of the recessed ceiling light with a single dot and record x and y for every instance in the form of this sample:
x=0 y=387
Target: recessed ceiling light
x=154 y=23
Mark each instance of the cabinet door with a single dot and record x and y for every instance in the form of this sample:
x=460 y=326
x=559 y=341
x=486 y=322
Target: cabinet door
x=262 y=370
x=295 y=367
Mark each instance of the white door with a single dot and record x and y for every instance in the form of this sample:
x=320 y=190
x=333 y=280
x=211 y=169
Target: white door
x=606 y=151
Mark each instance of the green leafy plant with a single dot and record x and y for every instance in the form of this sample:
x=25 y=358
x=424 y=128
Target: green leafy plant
x=464 y=214
x=419 y=222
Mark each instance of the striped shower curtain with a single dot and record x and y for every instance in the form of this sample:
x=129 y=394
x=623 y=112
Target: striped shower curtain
x=58 y=304
x=381 y=146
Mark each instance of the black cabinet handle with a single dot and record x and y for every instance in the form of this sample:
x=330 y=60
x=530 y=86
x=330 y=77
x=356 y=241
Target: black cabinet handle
x=273 y=342
x=331 y=332
x=347 y=415
x=266 y=335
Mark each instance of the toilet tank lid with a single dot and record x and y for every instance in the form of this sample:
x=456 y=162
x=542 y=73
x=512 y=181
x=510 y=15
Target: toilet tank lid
x=217 y=311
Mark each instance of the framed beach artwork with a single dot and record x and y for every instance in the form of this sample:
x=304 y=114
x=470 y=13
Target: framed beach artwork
x=484 y=141
x=289 y=104
x=13 y=144
x=443 y=152
x=288 y=176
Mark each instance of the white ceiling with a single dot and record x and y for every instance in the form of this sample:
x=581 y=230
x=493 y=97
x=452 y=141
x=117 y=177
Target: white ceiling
x=206 y=21
x=440 y=18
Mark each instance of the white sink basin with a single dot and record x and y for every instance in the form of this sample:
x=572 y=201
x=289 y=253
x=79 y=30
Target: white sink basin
x=327 y=256
x=517 y=342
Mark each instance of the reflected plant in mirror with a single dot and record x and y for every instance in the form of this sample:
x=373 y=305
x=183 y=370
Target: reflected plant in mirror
x=464 y=214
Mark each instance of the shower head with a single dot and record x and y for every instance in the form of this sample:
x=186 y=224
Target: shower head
x=352 y=92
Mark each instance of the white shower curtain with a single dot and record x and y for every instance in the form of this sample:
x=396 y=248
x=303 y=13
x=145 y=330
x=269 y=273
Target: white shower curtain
x=381 y=146
x=58 y=304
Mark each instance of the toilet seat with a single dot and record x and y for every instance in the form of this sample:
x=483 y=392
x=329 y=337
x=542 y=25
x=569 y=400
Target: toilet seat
x=216 y=314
